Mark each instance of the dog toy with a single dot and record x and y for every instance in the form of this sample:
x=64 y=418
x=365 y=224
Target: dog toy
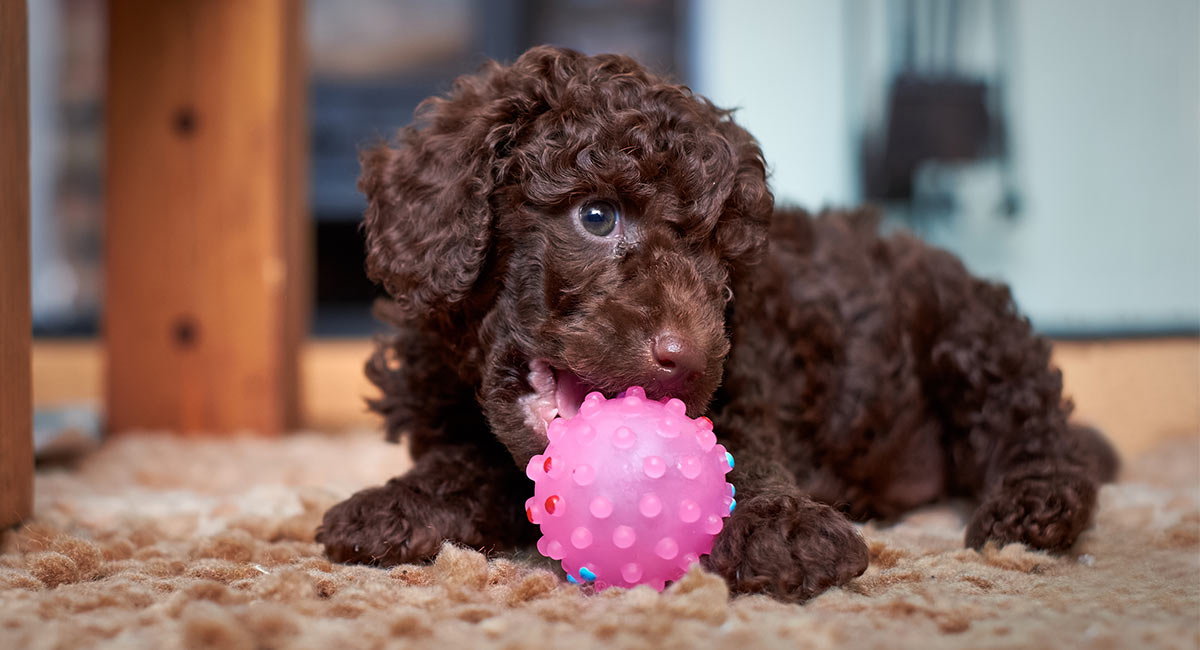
x=629 y=491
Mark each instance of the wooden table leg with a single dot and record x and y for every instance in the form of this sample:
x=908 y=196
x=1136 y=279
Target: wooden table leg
x=16 y=414
x=205 y=226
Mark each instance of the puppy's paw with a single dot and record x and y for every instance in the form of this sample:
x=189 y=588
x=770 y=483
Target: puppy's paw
x=388 y=525
x=1045 y=512
x=788 y=547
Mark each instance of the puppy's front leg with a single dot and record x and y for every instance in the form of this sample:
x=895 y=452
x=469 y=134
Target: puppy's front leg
x=461 y=493
x=778 y=541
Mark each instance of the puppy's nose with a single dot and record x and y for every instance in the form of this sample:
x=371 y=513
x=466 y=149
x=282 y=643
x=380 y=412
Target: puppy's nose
x=677 y=358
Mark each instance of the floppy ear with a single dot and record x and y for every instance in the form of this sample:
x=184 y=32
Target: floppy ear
x=742 y=232
x=428 y=222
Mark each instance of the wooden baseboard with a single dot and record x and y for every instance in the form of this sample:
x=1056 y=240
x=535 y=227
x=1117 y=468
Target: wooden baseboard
x=1137 y=391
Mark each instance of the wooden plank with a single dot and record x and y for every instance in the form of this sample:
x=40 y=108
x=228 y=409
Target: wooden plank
x=16 y=413
x=1138 y=392
x=67 y=372
x=204 y=235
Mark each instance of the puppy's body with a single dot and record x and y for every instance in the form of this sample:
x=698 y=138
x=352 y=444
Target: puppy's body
x=852 y=375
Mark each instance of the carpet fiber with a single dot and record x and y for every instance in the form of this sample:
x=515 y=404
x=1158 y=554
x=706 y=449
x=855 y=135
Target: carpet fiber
x=162 y=542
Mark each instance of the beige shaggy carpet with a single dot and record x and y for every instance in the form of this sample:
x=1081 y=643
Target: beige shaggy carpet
x=158 y=542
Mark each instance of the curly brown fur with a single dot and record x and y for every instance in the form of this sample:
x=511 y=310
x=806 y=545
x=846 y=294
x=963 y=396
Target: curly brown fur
x=853 y=375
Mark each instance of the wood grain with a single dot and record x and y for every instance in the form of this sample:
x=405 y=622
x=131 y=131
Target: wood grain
x=206 y=278
x=16 y=415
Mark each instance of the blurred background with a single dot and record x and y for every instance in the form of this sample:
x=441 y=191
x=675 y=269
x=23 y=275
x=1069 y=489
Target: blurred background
x=1054 y=145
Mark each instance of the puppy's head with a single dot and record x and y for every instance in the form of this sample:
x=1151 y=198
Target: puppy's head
x=574 y=223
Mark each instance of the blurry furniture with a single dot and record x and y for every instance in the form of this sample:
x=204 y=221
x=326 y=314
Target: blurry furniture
x=16 y=414
x=205 y=252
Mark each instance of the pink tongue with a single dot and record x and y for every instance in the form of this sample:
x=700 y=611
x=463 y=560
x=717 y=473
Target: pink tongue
x=568 y=393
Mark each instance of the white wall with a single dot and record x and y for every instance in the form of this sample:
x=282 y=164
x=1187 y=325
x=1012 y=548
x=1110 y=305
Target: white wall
x=1106 y=134
x=1104 y=103
x=782 y=64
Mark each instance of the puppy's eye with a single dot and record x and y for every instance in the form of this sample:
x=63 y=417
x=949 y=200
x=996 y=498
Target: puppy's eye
x=599 y=217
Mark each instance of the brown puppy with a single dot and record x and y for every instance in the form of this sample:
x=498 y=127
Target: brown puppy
x=573 y=223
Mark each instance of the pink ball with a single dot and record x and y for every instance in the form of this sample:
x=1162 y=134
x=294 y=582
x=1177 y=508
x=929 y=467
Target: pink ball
x=630 y=491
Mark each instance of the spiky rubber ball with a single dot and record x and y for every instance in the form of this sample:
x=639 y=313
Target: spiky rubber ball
x=629 y=491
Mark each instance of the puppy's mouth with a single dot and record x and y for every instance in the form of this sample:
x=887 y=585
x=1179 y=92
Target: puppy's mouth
x=556 y=392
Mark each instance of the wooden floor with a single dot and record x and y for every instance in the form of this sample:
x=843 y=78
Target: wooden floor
x=1137 y=391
